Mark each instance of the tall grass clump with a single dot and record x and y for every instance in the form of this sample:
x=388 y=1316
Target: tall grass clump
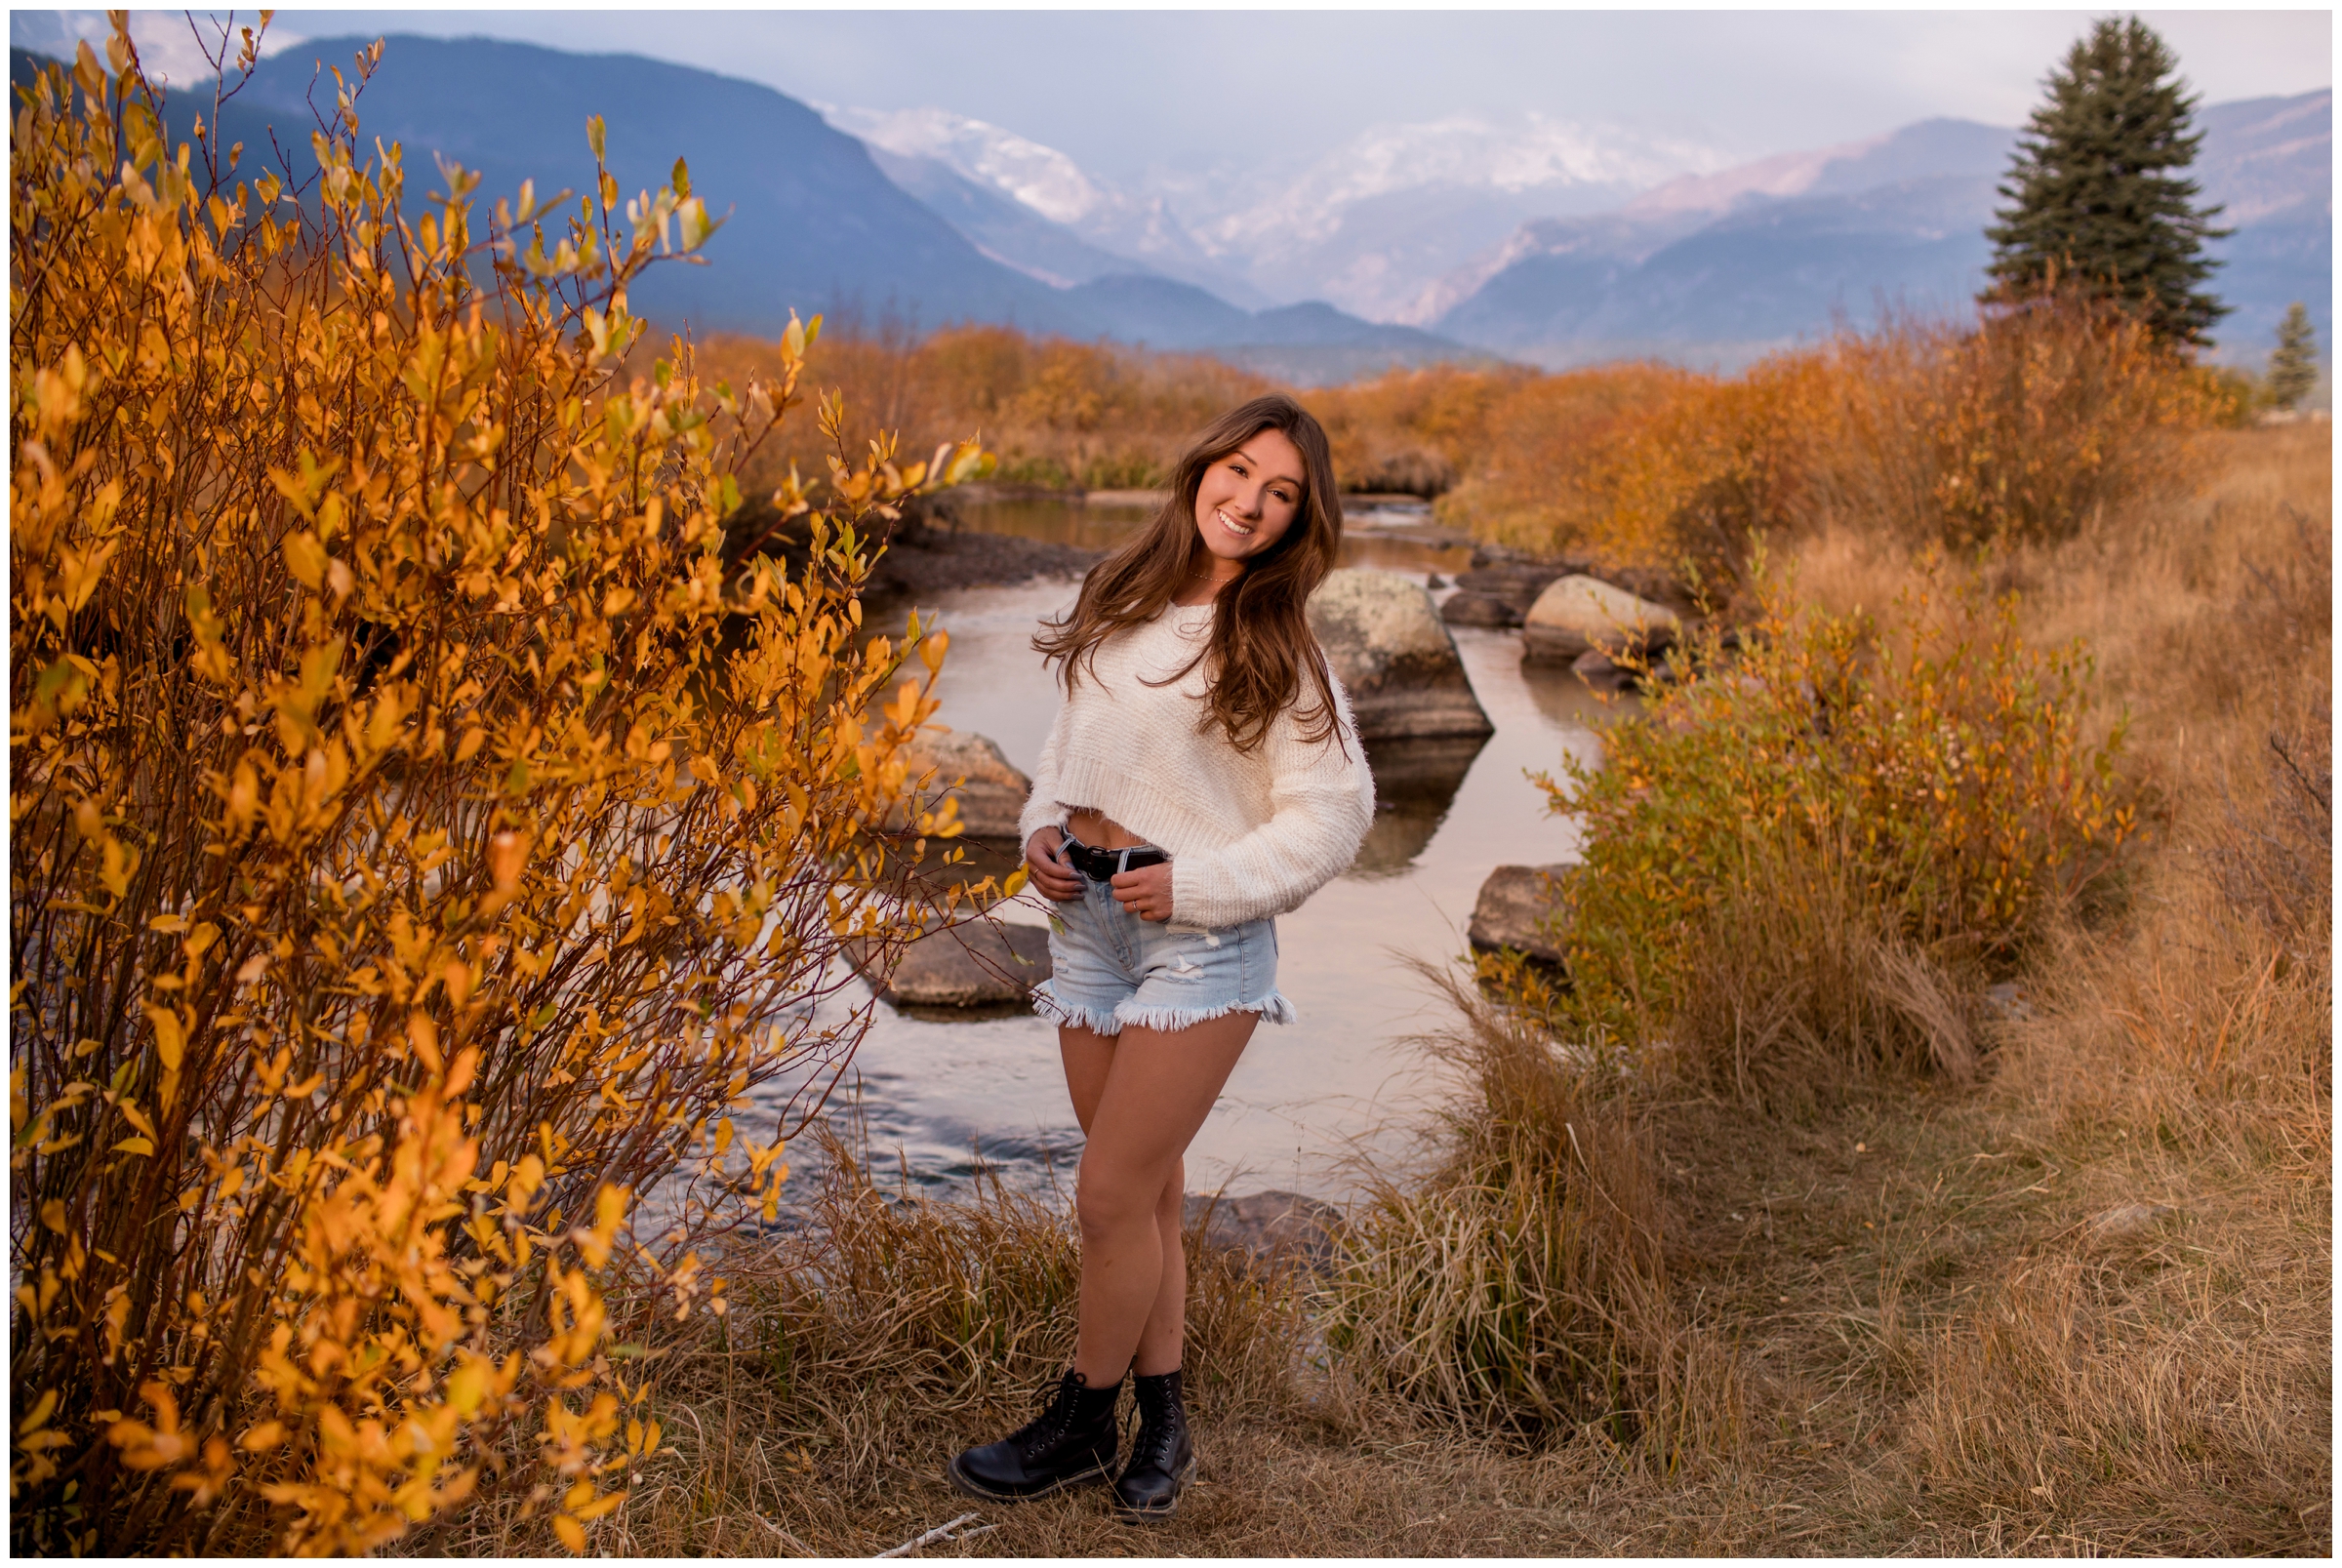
x=418 y=852
x=1520 y=1289
x=1791 y=853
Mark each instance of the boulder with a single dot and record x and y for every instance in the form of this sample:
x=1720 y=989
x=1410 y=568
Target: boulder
x=1514 y=906
x=2007 y=1003
x=994 y=792
x=1515 y=582
x=1267 y=1225
x=1387 y=645
x=1577 y=613
x=1464 y=608
x=978 y=964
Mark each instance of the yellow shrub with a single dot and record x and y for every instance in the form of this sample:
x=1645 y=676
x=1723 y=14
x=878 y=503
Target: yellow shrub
x=406 y=867
x=1936 y=782
x=1543 y=471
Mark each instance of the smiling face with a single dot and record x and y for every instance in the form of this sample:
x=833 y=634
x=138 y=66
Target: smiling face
x=1248 y=499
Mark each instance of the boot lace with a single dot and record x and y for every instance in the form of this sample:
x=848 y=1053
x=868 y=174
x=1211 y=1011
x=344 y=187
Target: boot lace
x=1052 y=1423
x=1158 y=1436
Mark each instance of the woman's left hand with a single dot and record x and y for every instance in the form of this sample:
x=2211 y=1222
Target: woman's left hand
x=1145 y=892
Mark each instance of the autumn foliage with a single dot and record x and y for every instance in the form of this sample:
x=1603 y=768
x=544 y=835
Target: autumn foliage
x=1057 y=414
x=2019 y=427
x=421 y=848
x=1947 y=788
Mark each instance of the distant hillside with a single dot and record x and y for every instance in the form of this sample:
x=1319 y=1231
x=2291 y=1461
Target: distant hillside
x=813 y=224
x=1719 y=268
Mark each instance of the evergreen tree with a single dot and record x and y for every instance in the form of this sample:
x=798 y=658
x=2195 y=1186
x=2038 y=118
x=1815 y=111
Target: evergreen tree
x=2293 y=367
x=2097 y=199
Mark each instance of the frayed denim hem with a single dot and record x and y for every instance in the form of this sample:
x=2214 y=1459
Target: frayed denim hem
x=1045 y=1002
x=1273 y=1008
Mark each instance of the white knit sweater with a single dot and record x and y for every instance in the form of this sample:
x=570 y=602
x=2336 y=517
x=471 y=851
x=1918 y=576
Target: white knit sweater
x=1249 y=833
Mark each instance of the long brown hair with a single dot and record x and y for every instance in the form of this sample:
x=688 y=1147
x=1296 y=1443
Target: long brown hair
x=1261 y=650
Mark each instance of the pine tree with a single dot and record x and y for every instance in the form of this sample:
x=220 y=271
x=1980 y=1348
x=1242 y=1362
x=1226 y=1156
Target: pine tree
x=2293 y=366
x=2097 y=200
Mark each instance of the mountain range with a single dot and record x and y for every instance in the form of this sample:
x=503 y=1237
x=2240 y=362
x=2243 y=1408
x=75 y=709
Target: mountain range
x=1472 y=237
x=811 y=220
x=1541 y=240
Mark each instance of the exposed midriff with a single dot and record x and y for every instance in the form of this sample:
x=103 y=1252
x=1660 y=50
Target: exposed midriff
x=1099 y=831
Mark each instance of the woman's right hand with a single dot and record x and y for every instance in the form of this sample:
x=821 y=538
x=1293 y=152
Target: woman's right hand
x=1052 y=875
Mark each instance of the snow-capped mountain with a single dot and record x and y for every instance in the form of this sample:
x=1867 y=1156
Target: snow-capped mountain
x=1375 y=222
x=1371 y=226
x=1042 y=178
x=1049 y=184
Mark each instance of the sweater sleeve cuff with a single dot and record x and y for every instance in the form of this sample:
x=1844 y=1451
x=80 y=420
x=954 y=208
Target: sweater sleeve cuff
x=1039 y=812
x=1192 y=899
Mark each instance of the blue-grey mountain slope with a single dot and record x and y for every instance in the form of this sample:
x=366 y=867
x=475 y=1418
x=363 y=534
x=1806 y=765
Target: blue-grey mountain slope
x=813 y=223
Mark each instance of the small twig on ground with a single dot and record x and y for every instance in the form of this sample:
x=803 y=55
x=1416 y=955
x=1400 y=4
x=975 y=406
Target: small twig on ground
x=942 y=1532
x=787 y=1540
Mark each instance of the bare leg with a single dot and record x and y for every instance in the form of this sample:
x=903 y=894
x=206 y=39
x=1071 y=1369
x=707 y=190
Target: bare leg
x=1088 y=1058
x=1140 y=1097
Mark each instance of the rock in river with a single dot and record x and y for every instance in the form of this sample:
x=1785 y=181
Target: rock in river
x=1580 y=613
x=977 y=964
x=1464 y=608
x=1514 y=584
x=1415 y=781
x=994 y=791
x=1389 y=651
x=1514 y=907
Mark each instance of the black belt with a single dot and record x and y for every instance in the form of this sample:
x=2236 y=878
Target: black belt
x=1104 y=864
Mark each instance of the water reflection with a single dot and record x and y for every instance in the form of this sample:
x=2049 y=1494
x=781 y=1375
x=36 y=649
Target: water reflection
x=1415 y=781
x=1568 y=701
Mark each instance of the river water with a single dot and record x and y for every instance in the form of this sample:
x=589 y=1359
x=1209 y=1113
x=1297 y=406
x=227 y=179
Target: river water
x=949 y=1097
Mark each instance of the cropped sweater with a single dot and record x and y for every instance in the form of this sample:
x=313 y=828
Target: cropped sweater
x=1250 y=834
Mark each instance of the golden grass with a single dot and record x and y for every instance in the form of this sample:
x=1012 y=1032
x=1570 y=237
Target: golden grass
x=1520 y=1290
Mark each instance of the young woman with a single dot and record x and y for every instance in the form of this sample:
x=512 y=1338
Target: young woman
x=1203 y=776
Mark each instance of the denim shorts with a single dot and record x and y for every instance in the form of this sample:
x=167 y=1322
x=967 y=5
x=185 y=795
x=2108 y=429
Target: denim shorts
x=1111 y=969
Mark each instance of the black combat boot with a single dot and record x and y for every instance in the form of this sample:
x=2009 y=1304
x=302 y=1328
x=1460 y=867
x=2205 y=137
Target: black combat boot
x=1072 y=1443
x=1162 y=1461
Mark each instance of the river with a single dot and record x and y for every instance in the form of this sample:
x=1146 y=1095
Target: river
x=1344 y=1081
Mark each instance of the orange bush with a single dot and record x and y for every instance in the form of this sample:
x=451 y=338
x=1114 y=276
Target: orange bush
x=1413 y=431
x=2024 y=428
x=418 y=849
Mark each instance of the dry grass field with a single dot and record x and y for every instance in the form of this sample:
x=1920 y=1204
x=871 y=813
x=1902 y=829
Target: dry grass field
x=2081 y=1305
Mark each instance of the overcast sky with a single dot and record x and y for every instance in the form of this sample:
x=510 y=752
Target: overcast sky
x=1121 y=90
